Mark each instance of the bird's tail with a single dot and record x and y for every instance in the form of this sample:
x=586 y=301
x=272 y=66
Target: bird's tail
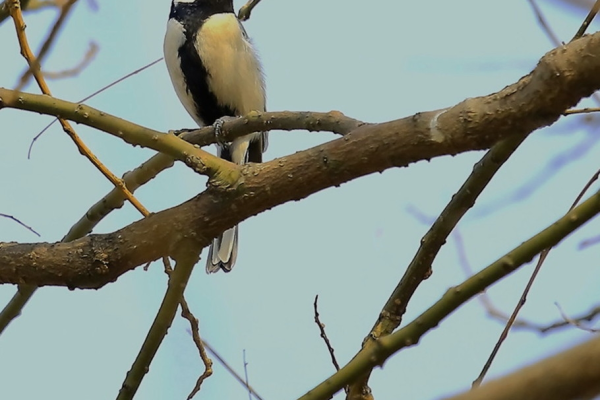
x=223 y=251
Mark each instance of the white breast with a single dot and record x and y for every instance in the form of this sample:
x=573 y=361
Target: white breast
x=174 y=39
x=235 y=75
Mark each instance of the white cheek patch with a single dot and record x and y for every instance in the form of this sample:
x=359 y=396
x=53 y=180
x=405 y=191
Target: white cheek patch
x=174 y=39
x=235 y=75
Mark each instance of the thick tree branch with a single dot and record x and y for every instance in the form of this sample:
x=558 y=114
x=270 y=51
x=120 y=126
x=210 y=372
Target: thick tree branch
x=561 y=79
x=333 y=121
x=383 y=348
x=572 y=374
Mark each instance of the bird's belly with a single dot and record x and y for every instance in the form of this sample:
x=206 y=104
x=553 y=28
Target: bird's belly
x=174 y=39
x=234 y=71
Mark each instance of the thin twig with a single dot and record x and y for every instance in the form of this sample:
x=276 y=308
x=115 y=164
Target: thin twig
x=87 y=59
x=409 y=335
x=163 y=320
x=589 y=242
x=586 y=110
x=15 y=12
x=483 y=298
x=545 y=253
x=20 y=223
x=90 y=96
x=246 y=10
x=588 y=20
x=555 y=164
x=544 y=23
x=523 y=299
x=195 y=327
x=231 y=370
x=420 y=268
x=575 y=321
x=324 y=335
x=36 y=62
x=543 y=174
x=247 y=381
x=13 y=309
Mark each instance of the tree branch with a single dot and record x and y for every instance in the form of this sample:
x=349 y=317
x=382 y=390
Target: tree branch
x=570 y=375
x=197 y=159
x=186 y=259
x=383 y=348
x=420 y=267
x=560 y=80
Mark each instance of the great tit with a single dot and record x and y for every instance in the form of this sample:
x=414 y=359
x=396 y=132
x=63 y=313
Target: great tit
x=216 y=74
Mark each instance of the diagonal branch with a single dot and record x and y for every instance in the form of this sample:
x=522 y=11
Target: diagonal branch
x=562 y=77
x=376 y=355
x=420 y=267
x=199 y=160
x=333 y=121
x=162 y=322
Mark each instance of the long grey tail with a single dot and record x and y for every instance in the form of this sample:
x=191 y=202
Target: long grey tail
x=223 y=252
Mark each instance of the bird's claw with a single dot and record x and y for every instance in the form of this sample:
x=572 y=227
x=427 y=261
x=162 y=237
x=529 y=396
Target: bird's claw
x=179 y=132
x=218 y=126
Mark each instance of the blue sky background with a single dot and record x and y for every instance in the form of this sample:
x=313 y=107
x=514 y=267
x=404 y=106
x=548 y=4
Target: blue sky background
x=377 y=61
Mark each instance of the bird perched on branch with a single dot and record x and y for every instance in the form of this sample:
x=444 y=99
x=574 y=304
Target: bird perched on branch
x=216 y=74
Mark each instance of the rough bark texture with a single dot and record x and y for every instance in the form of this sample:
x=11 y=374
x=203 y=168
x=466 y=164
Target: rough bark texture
x=561 y=79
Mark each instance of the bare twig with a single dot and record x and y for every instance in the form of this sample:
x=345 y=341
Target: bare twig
x=163 y=320
x=409 y=335
x=564 y=322
x=588 y=20
x=324 y=335
x=194 y=326
x=247 y=381
x=586 y=110
x=560 y=160
x=589 y=242
x=543 y=174
x=195 y=330
x=15 y=12
x=544 y=24
x=36 y=63
x=483 y=298
x=420 y=267
x=545 y=328
x=20 y=223
x=90 y=96
x=576 y=322
x=231 y=370
x=523 y=299
x=494 y=312
x=25 y=292
x=88 y=57
x=246 y=10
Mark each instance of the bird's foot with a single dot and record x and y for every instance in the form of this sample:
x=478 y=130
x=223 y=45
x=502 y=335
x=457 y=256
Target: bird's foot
x=179 y=132
x=218 y=125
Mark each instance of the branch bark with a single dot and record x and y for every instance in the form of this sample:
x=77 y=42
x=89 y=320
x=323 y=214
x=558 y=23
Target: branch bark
x=561 y=79
x=572 y=374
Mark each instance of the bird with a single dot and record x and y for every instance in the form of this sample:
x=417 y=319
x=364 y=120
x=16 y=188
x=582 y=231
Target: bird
x=217 y=75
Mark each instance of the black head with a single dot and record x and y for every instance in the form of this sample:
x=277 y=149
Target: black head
x=202 y=9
